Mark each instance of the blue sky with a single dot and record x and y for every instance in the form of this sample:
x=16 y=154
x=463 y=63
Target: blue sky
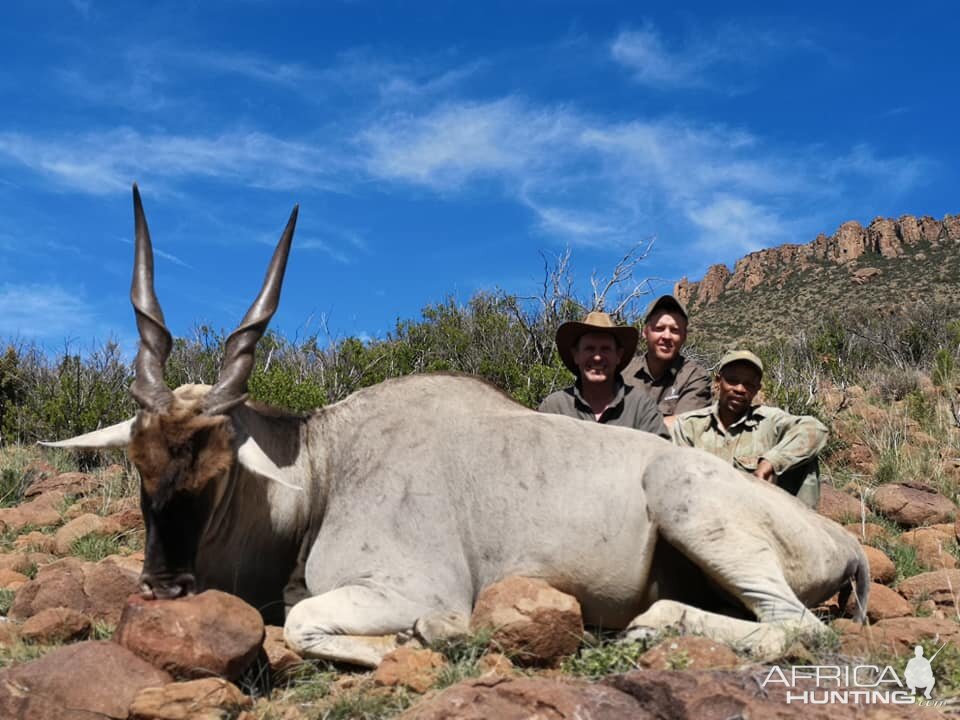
x=441 y=148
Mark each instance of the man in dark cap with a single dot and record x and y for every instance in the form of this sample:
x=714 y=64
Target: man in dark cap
x=764 y=441
x=596 y=350
x=673 y=382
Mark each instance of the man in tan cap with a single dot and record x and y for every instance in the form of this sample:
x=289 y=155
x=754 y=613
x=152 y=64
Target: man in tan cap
x=673 y=382
x=763 y=441
x=596 y=350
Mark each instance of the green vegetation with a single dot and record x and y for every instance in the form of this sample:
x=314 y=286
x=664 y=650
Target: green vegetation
x=95 y=547
x=605 y=657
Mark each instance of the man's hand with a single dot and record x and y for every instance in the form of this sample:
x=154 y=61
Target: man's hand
x=764 y=471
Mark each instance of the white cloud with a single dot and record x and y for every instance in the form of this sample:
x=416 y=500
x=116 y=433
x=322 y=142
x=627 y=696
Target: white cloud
x=721 y=60
x=105 y=162
x=589 y=180
x=42 y=311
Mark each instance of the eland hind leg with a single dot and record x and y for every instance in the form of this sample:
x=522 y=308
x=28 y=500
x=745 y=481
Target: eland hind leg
x=706 y=514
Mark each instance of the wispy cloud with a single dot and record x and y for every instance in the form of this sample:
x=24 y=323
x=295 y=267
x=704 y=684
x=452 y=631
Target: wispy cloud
x=42 y=311
x=103 y=162
x=720 y=60
x=589 y=180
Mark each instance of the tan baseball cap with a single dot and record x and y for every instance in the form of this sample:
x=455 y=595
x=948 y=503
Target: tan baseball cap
x=740 y=356
x=665 y=302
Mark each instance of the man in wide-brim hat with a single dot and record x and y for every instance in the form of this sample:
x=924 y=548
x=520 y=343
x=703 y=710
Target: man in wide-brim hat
x=596 y=350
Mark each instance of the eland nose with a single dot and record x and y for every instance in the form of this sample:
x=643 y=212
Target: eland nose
x=160 y=588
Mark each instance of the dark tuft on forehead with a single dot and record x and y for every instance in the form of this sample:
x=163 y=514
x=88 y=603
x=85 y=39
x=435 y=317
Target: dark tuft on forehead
x=181 y=450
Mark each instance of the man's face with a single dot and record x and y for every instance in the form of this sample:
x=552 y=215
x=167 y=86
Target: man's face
x=665 y=333
x=737 y=385
x=597 y=356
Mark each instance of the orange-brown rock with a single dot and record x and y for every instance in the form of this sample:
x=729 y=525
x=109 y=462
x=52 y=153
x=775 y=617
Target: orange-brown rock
x=55 y=625
x=205 y=699
x=86 y=524
x=529 y=620
x=941 y=586
x=39 y=512
x=882 y=569
x=71 y=484
x=35 y=541
x=415 y=668
x=12 y=580
x=884 y=604
x=83 y=681
x=838 y=506
x=212 y=633
x=689 y=652
x=526 y=698
x=868 y=533
x=98 y=590
x=279 y=656
x=895 y=635
x=494 y=664
x=913 y=504
x=932 y=546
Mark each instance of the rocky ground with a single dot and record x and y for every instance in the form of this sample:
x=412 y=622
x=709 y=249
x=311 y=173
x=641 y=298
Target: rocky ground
x=76 y=641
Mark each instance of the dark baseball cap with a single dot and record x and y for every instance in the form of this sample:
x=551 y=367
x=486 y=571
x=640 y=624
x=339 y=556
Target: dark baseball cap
x=665 y=302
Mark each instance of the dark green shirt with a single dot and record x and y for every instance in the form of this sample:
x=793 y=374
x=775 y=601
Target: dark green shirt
x=630 y=408
x=683 y=386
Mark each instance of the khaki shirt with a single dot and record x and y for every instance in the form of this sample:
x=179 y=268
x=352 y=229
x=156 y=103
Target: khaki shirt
x=684 y=386
x=763 y=433
x=630 y=408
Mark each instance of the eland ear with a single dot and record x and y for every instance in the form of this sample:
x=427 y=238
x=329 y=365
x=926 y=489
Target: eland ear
x=109 y=437
x=252 y=457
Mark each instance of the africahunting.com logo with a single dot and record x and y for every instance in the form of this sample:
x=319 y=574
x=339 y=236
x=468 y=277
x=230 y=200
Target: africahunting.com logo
x=858 y=684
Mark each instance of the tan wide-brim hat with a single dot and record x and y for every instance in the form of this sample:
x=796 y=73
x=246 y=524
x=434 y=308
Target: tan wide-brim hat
x=569 y=333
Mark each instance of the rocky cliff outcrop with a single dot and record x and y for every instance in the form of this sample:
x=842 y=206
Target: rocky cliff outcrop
x=883 y=237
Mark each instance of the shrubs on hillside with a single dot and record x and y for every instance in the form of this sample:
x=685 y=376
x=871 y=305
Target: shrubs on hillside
x=500 y=337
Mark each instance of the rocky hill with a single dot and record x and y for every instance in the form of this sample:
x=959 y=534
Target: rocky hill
x=884 y=266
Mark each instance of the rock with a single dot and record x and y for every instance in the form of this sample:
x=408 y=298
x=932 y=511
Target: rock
x=39 y=512
x=55 y=625
x=279 y=656
x=689 y=653
x=84 y=681
x=868 y=533
x=884 y=603
x=642 y=695
x=12 y=580
x=530 y=620
x=123 y=521
x=25 y=562
x=35 y=541
x=930 y=543
x=882 y=569
x=413 y=668
x=898 y=636
x=206 y=699
x=87 y=524
x=941 y=586
x=494 y=664
x=70 y=484
x=913 y=504
x=838 y=506
x=526 y=699
x=98 y=590
x=212 y=633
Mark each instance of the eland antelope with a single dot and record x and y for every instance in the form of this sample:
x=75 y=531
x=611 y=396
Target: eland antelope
x=393 y=509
